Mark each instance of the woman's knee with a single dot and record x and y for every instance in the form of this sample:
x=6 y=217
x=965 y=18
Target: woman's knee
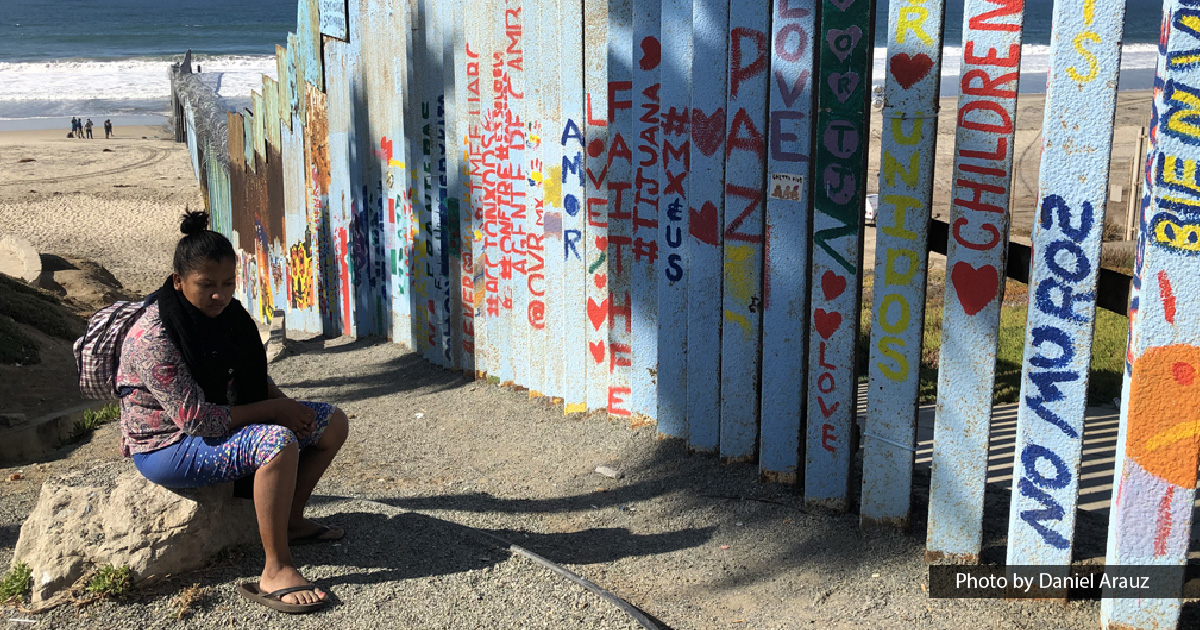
x=336 y=431
x=277 y=444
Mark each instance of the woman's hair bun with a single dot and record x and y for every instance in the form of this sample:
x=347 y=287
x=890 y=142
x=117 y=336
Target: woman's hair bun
x=194 y=222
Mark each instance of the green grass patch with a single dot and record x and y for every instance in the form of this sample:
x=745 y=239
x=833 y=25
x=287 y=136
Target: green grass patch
x=111 y=581
x=1108 y=345
x=16 y=583
x=95 y=418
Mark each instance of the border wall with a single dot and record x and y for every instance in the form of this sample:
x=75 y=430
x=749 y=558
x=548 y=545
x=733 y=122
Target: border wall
x=653 y=209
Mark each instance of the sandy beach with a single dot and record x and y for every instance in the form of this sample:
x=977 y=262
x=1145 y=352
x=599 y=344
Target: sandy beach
x=114 y=201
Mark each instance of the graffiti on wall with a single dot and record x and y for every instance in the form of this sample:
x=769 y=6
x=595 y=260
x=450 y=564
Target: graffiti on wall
x=1074 y=191
x=840 y=188
x=975 y=258
x=902 y=228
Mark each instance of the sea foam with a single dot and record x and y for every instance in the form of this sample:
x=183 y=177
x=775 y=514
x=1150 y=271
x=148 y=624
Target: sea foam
x=146 y=79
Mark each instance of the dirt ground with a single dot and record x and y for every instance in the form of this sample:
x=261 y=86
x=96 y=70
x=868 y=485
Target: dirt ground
x=694 y=543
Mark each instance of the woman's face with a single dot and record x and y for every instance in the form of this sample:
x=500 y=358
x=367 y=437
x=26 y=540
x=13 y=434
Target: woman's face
x=209 y=287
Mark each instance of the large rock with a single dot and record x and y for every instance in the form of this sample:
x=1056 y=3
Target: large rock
x=19 y=259
x=113 y=515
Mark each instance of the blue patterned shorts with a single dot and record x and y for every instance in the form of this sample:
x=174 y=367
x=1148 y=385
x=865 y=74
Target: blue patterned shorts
x=196 y=461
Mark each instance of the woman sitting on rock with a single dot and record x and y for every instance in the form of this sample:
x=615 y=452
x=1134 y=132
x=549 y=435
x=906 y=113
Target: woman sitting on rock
x=198 y=408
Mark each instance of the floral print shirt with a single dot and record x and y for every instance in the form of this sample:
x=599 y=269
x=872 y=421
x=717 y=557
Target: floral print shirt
x=160 y=401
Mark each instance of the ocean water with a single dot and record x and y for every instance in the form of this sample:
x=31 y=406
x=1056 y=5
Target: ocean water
x=110 y=58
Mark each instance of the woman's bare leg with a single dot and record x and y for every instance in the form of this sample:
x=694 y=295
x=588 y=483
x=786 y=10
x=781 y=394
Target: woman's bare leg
x=274 y=486
x=313 y=463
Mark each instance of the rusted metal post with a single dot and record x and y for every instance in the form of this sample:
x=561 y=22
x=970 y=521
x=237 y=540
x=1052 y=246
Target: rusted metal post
x=910 y=117
x=620 y=208
x=706 y=212
x=1076 y=146
x=672 y=264
x=975 y=258
x=745 y=172
x=788 y=232
x=840 y=170
x=1157 y=446
x=596 y=86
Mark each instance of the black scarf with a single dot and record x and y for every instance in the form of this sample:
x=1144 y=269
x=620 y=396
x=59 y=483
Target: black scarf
x=216 y=348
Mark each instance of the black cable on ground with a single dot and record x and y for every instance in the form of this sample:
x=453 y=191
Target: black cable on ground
x=605 y=594
x=598 y=590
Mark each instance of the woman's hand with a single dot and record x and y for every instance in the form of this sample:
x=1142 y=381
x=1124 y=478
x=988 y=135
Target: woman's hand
x=292 y=415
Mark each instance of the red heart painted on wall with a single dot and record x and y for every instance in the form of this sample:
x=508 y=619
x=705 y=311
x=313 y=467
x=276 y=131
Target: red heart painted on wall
x=826 y=323
x=976 y=288
x=651 y=53
x=597 y=348
x=703 y=224
x=597 y=313
x=601 y=281
x=708 y=131
x=832 y=284
x=909 y=70
x=601 y=243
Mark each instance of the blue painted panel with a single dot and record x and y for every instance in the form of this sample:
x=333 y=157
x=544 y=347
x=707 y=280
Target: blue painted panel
x=647 y=170
x=475 y=75
x=745 y=171
x=898 y=307
x=706 y=212
x=1077 y=141
x=333 y=18
x=337 y=92
x=299 y=241
x=543 y=247
x=568 y=137
x=1155 y=477
x=789 y=206
x=451 y=20
x=308 y=45
x=672 y=263
x=975 y=259
x=620 y=208
x=595 y=59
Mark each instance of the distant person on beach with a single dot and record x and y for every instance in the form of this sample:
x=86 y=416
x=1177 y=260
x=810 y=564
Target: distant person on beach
x=89 y=128
x=198 y=408
x=107 y=129
x=74 y=128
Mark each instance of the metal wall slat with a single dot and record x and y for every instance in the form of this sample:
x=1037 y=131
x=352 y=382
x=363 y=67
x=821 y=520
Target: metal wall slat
x=909 y=134
x=745 y=172
x=789 y=206
x=975 y=258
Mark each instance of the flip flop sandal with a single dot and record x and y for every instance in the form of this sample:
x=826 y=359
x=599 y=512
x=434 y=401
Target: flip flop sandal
x=274 y=599
x=317 y=537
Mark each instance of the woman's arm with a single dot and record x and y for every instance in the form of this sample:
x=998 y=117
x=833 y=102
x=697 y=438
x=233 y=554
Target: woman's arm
x=273 y=390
